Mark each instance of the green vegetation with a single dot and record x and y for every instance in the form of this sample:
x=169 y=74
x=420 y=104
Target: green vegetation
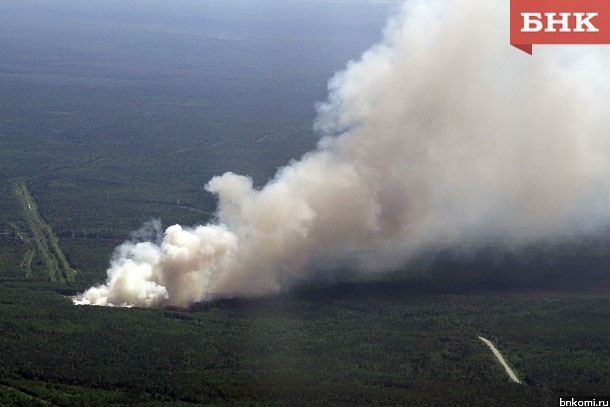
x=98 y=174
x=398 y=343
x=42 y=242
x=103 y=129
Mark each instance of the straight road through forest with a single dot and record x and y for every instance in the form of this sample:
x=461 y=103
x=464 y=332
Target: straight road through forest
x=498 y=355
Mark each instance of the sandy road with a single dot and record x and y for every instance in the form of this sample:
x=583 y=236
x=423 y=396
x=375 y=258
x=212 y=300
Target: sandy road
x=498 y=355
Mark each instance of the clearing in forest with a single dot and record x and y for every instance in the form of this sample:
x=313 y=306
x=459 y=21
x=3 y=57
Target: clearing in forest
x=41 y=240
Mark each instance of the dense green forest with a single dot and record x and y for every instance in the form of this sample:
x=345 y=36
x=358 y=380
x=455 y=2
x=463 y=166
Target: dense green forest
x=105 y=127
x=378 y=343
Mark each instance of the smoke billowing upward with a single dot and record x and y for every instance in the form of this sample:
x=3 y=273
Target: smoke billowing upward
x=441 y=133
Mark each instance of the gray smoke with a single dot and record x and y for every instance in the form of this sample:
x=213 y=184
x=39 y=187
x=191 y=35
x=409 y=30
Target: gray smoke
x=440 y=134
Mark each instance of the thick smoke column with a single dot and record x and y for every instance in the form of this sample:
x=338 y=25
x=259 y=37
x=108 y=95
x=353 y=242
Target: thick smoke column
x=441 y=133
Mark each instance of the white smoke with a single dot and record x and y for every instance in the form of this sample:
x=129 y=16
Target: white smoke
x=441 y=133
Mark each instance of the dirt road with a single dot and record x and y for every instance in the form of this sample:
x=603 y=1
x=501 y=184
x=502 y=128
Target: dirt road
x=498 y=355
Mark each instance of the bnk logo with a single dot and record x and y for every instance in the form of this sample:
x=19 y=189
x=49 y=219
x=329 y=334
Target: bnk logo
x=559 y=22
x=532 y=22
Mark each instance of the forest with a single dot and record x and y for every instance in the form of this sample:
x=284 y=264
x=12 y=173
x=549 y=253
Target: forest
x=410 y=342
x=109 y=122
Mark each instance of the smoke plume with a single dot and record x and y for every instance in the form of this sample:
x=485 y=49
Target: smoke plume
x=440 y=134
